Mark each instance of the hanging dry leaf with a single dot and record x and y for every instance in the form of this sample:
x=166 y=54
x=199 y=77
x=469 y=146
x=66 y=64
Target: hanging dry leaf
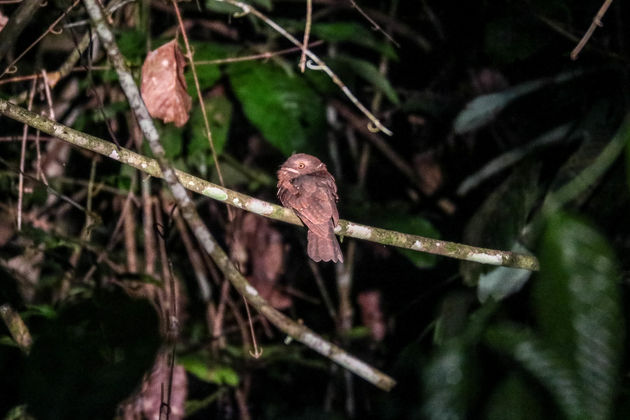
x=429 y=171
x=371 y=313
x=164 y=86
x=3 y=21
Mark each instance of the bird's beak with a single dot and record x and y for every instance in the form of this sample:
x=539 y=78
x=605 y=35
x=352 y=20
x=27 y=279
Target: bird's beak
x=291 y=170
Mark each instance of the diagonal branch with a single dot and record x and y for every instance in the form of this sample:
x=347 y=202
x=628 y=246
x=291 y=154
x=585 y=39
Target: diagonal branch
x=263 y=208
x=201 y=232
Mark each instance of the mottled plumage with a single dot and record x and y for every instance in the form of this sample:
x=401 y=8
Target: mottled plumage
x=306 y=186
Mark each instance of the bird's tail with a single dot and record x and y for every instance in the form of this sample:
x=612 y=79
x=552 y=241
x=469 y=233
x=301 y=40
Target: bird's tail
x=324 y=248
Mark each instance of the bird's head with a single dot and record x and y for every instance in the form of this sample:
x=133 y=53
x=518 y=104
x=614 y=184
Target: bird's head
x=300 y=164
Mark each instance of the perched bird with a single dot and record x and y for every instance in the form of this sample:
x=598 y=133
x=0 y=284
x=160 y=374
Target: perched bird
x=306 y=186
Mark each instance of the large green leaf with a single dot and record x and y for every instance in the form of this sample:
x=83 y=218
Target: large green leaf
x=515 y=396
x=585 y=167
x=501 y=282
x=500 y=219
x=200 y=366
x=289 y=114
x=543 y=362
x=483 y=109
x=367 y=71
x=578 y=304
x=448 y=383
x=219 y=114
x=397 y=219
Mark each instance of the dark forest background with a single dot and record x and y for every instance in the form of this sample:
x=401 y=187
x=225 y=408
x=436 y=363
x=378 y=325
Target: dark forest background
x=500 y=140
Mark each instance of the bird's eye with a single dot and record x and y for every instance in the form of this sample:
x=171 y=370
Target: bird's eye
x=301 y=165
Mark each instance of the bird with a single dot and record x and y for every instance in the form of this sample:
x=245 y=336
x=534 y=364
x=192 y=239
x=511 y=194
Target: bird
x=306 y=186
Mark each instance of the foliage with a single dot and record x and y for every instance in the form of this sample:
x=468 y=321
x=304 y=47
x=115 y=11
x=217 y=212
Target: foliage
x=500 y=141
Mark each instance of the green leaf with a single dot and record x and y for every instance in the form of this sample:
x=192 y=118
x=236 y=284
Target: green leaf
x=264 y=3
x=483 y=109
x=448 y=383
x=219 y=114
x=221 y=7
x=582 y=171
x=515 y=396
x=289 y=114
x=498 y=222
x=171 y=139
x=354 y=33
x=43 y=310
x=578 y=305
x=202 y=369
x=368 y=72
x=133 y=45
x=415 y=225
x=502 y=282
x=543 y=362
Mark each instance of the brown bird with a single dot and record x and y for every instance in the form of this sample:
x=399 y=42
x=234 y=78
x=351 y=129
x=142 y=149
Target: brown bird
x=306 y=186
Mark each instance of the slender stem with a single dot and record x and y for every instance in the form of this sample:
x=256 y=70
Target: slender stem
x=307 y=33
x=597 y=21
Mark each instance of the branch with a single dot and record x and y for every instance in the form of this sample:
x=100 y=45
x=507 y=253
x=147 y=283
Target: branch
x=263 y=208
x=597 y=21
x=201 y=232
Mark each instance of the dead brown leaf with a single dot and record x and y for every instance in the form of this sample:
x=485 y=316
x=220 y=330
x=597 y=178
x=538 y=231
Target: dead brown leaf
x=164 y=86
x=258 y=249
x=3 y=21
x=371 y=313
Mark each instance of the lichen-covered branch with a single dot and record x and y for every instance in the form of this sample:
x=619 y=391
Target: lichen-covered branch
x=263 y=208
x=201 y=232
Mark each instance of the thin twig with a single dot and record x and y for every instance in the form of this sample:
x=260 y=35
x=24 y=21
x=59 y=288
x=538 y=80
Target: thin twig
x=307 y=33
x=375 y=25
x=189 y=56
x=22 y=161
x=597 y=21
x=192 y=253
x=57 y=75
x=376 y=125
x=150 y=254
x=18 y=21
x=257 y=352
x=11 y=68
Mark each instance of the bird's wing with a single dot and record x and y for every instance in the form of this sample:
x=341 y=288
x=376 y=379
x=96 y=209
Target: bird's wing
x=315 y=203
